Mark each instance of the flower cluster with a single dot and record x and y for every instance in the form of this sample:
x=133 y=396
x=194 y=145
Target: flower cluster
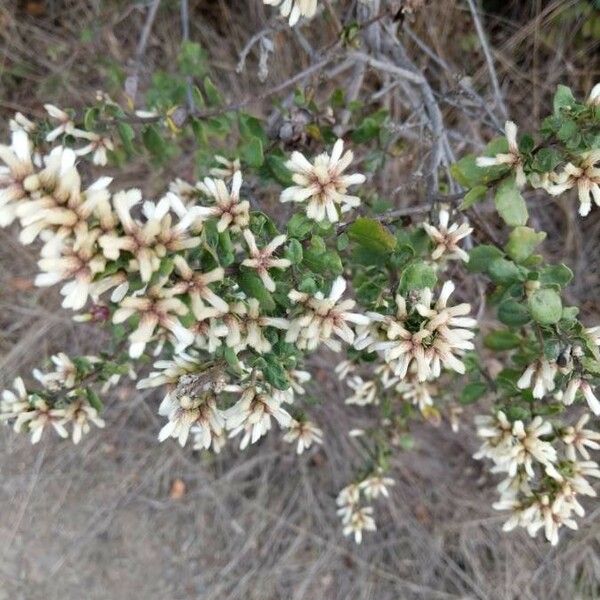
x=356 y=517
x=62 y=401
x=421 y=333
x=231 y=301
x=580 y=172
x=544 y=478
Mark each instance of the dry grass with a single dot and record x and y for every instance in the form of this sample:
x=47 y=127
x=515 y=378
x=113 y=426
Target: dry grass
x=99 y=522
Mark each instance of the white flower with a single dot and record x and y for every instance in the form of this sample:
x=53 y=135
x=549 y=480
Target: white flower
x=30 y=412
x=64 y=376
x=365 y=392
x=344 y=368
x=13 y=177
x=437 y=338
x=262 y=260
x=376 y=485
x=528 y=447
x=254 y=323
x=252 y=413
x=14 y=402
x=79 y=262
x=170 y=371
x=294 y=9
x=148 y=242
x=187 y=411
x=197 y=285
x=577 y=438
x=414 y=391
x=496 y=431
x=594 y=97
x=21 y=122
x=512 y=158
x=66 y=125
x=541 y=373
x=230 y=212
x=585 y=176
x=227 y=169
x=359 y=520
x=577 y=384
x=323 y=184
x=320 y=317
x=80 y=414
x=98 y=147
x=305 y=433
x=208 y=333
x=348 y=496
x=446 y=237
x=155 y=309
x=217 y=439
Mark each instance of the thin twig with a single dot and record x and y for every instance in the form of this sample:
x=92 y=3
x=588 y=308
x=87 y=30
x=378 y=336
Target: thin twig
x=131 y=83
x=387 y=66
x=185 y=34
x=489 y=59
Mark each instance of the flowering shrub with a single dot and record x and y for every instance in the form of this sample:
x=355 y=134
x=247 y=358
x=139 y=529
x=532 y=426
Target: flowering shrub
x=230 y=300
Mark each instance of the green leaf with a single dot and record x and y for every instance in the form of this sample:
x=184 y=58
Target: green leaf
x=293 y=252
x=472 y=392
x=251 y=127
x=300 y=226
x=517 y=413
x=342 y=241
x=513 y=313
x=94 y=399
x=252 y=285
x=563 y=98
x=211 y=93
x=510 y=204
x=522 y=241
x=154 y=143
x=545 y=306
x=505 y=271
x=321 y=260
x=226 y=249
x=192 y=59
x=591 y=365
x=546 y=160
x=127 y=134
x=366 y=131
x=556 y=274
x=481 y=256
x=473 y=196
x=211 y=233
x=252 y=152
x=274 y=372
x=371 y=234
x=569 y=313
x=90 y=118
x=231 y=357
x=276 y=166
x=501 y=339
x=417 y=276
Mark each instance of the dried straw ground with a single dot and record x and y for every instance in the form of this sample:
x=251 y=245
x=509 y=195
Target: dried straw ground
x=103 y=520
